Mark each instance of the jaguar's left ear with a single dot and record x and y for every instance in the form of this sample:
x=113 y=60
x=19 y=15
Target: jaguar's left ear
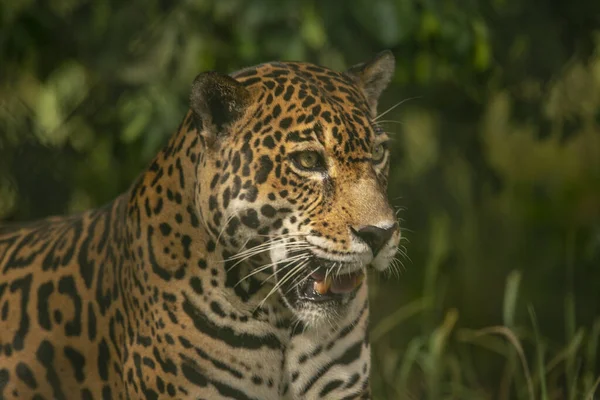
x=217 y=101
x=374 y=76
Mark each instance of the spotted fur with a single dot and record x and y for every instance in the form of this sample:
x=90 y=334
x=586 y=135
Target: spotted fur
x=187 y=285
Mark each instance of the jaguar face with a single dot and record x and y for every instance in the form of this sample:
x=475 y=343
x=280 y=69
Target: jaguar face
x=297 y=175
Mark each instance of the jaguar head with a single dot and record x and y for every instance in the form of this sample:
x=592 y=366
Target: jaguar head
x=296 y=171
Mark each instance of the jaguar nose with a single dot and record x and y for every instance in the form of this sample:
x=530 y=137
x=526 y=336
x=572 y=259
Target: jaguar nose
x=374 y=236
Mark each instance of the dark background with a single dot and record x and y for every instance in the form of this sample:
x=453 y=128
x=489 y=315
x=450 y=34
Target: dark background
x=496 y=162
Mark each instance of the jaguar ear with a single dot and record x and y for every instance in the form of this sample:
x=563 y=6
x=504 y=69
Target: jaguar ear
x=374 y=76
x=217 y=101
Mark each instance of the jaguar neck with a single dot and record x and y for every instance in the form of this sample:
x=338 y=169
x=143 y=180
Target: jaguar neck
x=163 y=223
x=172 y=244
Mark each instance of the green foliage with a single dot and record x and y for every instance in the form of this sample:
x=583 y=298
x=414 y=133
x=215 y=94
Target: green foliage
x=497 y=158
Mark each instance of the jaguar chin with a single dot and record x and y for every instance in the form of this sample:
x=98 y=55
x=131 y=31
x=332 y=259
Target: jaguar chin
x=324 y=288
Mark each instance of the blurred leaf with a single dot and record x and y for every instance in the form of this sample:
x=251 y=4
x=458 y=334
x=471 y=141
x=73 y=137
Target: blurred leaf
x=136 y=115
x=424 y=64
x=49 y=117
x=312 y=29
x=154 y=60
x=482 y=52
x=430 y=26
x=420 y=141
x=510 y=298
x=57 y=99
x=81 y=135
x=379 y=18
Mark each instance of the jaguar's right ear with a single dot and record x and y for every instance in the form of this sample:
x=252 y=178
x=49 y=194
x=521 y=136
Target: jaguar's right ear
x=374 y=76
x=217 y=101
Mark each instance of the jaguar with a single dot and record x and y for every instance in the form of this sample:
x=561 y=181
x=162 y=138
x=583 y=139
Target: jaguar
x=234 y=267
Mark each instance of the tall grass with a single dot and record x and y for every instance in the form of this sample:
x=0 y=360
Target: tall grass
x=440 y=361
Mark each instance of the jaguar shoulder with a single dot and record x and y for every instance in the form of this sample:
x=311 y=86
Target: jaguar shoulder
x=234 y=266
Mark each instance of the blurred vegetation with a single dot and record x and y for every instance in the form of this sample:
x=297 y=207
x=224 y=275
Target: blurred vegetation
x=496 y=173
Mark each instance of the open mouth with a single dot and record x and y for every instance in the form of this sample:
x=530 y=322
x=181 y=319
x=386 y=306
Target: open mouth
x=326 y=287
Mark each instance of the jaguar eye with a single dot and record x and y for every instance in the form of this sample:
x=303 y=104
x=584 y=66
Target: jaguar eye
x=378 y=153
x=309 y=160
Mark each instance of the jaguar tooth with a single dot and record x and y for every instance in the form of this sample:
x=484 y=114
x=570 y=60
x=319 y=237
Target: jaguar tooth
x=323 y=286
x=358 y=280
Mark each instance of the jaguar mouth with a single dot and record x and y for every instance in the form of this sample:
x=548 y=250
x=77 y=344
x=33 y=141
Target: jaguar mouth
x=320 y=286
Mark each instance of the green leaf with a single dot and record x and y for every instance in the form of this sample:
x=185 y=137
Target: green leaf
x=49 y=117
x=312 y=29
x=380 y=18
